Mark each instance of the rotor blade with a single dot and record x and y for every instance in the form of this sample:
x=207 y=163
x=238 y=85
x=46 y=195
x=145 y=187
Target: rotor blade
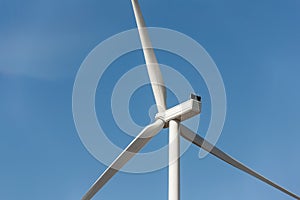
x=135 y=146
x=157 y=83
x=201 y=142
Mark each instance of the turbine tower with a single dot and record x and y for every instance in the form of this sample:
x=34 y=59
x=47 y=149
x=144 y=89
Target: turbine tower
x=168 y=118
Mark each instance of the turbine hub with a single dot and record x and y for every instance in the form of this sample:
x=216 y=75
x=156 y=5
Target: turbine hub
x=181 y=112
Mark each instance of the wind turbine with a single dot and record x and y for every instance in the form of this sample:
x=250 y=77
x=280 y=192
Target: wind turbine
x=168 y=118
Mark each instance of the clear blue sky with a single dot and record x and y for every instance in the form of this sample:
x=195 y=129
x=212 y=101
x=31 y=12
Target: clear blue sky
x=255 y=44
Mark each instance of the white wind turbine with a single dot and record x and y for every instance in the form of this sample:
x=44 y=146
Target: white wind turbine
x=170 y=118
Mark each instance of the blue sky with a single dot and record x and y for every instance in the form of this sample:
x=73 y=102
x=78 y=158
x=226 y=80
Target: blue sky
x=255 y=45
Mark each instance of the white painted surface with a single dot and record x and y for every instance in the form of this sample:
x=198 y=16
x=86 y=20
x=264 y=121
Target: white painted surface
x=135 y=146
x=174 y=160
x=181 y=112
x=157 y=83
